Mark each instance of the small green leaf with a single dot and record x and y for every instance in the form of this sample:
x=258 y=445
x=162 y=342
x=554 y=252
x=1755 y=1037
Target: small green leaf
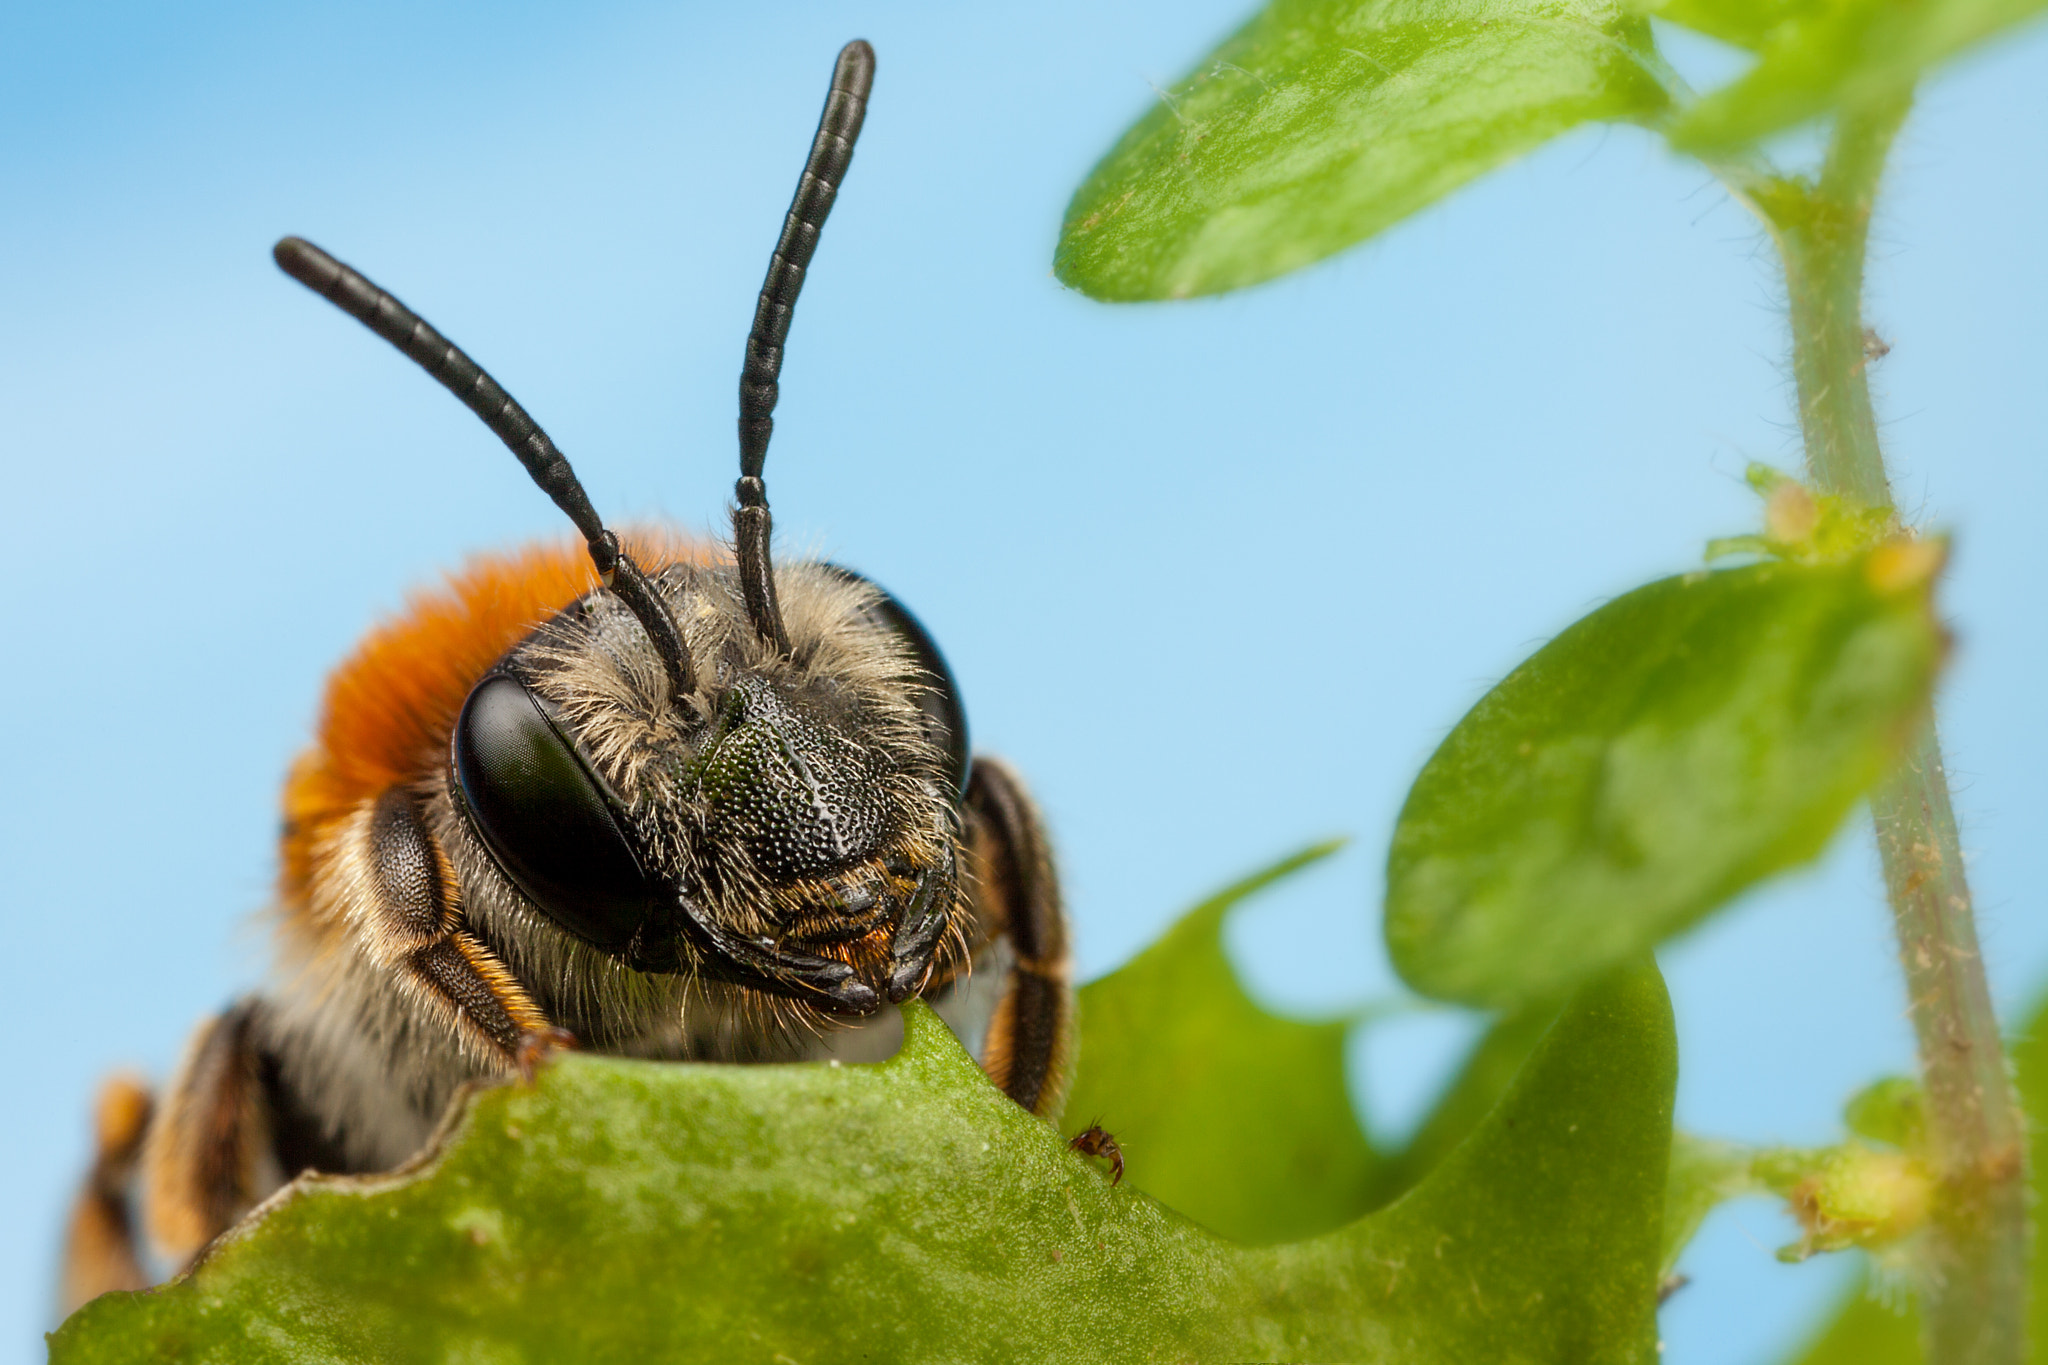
x=1322 y=122
x=624 y=1210
x=1234 y=1116
x=1703 y=1173
x=1745 y=23
x=1827 y=54
x=1892 y=1111
x=1658 y=757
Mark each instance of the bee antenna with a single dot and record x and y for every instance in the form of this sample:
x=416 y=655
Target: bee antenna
x=846 y=105
x=348 y=290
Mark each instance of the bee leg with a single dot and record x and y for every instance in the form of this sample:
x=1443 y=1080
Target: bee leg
x=414 y=926
x=1030 y=1036
x=926 y=921
x=209 y=1157
x=99 y=1242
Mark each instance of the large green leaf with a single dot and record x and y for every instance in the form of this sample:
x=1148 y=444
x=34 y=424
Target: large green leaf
x=637 y=1211
x=1323 y=121
x=1234 y=1116
x=1818 y=55
x=1655 y=759
x=1464 y=1250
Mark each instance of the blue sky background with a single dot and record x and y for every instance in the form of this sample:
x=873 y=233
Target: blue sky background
x=1478 y=427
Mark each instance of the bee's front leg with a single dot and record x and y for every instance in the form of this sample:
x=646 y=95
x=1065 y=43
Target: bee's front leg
x=410 y=921
x=1015 y=892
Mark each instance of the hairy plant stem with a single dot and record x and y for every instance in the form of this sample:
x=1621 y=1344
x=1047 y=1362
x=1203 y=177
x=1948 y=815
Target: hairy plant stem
x=1975 y=1290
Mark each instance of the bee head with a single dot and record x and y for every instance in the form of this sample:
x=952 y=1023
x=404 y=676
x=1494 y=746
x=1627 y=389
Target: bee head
x=793 y=826
x=700 y=769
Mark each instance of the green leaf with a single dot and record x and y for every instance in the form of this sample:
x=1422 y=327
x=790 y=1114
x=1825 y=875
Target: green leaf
x=1486 y=1075
x=1865 y=1331
x=1703 y=1173
x=1827 y=54
x=1466 y=1251
x=1236 y=1117
x=2030 y=1075
x=1322 y=122
x=623 y=1210
x=1658 y=757
x=1891 y=1111
x=1745 y=23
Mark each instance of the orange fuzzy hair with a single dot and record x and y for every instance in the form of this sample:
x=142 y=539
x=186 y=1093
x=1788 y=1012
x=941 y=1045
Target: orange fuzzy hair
x=391 y=705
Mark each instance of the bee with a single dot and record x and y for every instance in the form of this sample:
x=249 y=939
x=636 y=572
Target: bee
x=652 y=798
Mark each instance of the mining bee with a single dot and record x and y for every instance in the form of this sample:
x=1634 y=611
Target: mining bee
x=675 y=801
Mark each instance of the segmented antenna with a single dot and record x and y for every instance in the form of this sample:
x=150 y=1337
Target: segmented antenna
x=350 y=291
x=831 y=153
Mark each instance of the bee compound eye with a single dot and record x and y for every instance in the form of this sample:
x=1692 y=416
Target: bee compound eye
x=534 y=801
x=945 y=717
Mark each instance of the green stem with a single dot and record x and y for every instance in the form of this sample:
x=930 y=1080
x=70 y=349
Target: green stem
x=1822 y=232
x=1976 y=1298
x=1975 y=1288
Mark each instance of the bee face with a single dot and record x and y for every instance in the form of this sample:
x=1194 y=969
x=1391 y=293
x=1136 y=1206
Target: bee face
x=793 y=825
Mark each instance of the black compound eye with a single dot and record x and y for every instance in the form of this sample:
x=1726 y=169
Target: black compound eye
x=544 y=816
x=945 y=718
